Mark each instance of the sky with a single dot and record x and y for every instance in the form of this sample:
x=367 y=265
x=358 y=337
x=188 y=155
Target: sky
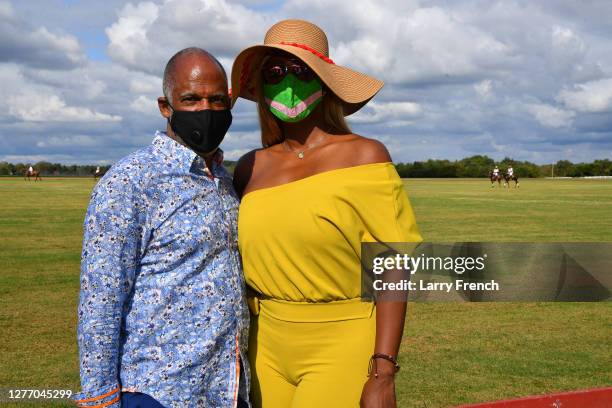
x=528 y=80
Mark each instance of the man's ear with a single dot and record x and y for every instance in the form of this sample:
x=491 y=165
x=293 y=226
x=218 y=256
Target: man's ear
x=164 y=107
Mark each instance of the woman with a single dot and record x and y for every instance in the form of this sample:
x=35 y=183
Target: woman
x=310 y=196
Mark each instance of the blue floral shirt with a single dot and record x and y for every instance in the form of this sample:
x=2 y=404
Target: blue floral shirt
x=162 y=308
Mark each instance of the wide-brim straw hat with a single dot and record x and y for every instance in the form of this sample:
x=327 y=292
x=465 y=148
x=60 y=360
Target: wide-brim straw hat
x=307 y=42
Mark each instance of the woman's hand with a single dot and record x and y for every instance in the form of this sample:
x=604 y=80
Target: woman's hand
x=379 y=392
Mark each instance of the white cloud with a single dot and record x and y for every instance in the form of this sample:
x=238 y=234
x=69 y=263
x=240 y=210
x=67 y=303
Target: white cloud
x=388 y=112
x=36 y=46
x=67 y=141
x=593 y=96
x=6 y=9
x=148 y=84
x=484 y=88
x=564 y=38
x=66 y=44
x=146 y=105
x=50 y=108
x=235 y=154
x=23 y=158
x=551 y=116
x=146 y=35
x=236 y=143
x=129 y=34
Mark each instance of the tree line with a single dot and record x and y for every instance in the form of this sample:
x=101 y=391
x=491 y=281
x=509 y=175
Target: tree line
x=50 y=169
x=474 y=166
x=60 y=170
x=480 y=166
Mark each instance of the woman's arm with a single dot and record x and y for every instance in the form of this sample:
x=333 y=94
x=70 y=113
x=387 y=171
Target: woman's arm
x=390 y=318
x=379 y=390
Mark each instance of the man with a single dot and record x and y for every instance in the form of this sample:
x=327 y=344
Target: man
x=510 y=171
x=496 y=171
x=162 y=314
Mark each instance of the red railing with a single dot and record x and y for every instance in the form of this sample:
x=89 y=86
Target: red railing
x=593 y=398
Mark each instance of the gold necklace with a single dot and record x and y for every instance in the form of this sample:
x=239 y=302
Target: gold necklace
x=300 y=153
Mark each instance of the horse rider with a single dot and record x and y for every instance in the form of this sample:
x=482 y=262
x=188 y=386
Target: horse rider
x=510 y=172
x=496 y=171
x=30 y=170
x=97 y=170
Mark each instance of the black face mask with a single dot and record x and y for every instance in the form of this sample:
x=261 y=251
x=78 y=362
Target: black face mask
x=201 y=130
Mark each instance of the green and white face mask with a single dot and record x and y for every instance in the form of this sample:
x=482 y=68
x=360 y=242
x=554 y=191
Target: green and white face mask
x=292 y=100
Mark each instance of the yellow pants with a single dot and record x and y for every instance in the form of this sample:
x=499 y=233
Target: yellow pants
x=310 y=355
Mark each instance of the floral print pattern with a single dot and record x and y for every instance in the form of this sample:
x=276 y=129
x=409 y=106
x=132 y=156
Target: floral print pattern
x=162 y=308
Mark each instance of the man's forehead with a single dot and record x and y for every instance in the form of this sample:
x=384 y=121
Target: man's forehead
x=198 y=68
x=201 y=84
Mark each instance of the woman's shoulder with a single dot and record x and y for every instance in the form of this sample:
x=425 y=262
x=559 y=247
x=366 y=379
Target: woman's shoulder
x=244 y=170
x=361 y=150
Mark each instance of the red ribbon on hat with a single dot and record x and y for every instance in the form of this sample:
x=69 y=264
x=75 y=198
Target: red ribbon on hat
x=307 y=48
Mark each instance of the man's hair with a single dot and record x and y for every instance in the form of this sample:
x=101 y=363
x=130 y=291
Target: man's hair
x=170 y=69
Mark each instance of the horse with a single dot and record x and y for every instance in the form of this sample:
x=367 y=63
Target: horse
x=508 y=177
x=33 y=173
x=495 y=177
x=98 y=174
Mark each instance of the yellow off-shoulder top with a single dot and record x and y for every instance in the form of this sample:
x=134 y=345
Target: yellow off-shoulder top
x=301 y=241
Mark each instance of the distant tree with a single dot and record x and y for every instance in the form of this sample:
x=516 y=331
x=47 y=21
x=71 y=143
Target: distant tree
x=602 y=167
x=20 y=169
x=403 y=169
x=563 y=168
x=526 y=169
x=5 y=169
x=476 y=166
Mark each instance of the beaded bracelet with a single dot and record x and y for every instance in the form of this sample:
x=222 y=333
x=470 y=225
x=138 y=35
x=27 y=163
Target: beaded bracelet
x=384 y=357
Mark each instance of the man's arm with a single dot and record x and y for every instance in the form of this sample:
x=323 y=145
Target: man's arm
x=110 y=257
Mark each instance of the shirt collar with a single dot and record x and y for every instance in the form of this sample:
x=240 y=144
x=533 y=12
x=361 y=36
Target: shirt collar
x=186 y=158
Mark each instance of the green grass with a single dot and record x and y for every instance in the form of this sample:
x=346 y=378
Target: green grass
x=40 y=230
x=540 y=210
x=452 y=353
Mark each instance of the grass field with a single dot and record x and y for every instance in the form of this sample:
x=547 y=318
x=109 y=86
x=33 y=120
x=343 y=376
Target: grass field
x=452 y=353
x=540 y=210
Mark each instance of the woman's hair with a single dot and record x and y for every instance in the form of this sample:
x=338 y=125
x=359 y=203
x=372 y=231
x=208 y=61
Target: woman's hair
x=271 y=132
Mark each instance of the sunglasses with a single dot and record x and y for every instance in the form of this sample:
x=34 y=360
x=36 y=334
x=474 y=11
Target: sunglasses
x=276 y=72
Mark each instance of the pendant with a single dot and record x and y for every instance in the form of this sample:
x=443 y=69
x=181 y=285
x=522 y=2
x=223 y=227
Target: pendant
x=300 y=155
